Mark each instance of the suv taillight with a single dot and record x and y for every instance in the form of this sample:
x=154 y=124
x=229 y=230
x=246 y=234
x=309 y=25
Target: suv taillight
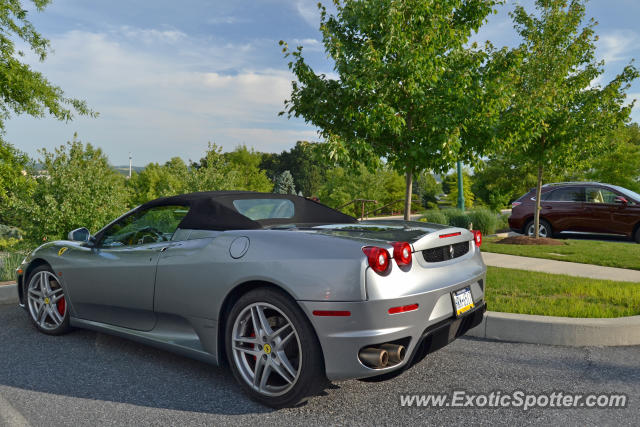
x=514 y=204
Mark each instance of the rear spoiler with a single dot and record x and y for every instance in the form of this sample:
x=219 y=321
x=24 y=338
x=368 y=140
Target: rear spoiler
x=446 y=236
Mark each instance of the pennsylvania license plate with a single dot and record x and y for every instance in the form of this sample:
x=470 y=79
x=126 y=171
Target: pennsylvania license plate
x=462 y=300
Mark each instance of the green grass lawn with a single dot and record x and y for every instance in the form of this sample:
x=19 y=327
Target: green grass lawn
x=610 y=254
x=528 y=292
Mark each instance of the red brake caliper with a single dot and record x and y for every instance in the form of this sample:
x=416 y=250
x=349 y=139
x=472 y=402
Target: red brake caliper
x=61 y=306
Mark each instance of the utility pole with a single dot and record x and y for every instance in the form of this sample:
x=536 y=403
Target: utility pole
x=129 y=164
x=460 y=187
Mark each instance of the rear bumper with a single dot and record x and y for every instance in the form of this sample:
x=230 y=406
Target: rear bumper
x=432 y=326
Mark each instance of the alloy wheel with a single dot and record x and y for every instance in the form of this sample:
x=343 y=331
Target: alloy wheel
x=542 y=231
x=46 y=301
x=266 y=349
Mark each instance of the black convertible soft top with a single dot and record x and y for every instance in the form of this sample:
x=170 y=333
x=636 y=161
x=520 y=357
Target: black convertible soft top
x=215 y=210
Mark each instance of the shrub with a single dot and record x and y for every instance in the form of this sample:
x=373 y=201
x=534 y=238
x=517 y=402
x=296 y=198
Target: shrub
x=6 y=244
x=9 y=232
x=8 y=265
x=434 y=216
x=457 y=218
x=484 y=220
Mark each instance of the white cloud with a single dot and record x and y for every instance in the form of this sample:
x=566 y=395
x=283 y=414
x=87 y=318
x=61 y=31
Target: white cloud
x=308 y=9
x=217 y=20
x=616 y=46
x=313 y=45
x=164 y=102
x=149 y=36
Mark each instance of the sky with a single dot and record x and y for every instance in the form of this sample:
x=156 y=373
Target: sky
x=169 y=77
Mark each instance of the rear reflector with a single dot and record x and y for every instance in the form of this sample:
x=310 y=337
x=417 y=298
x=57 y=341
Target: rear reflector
x=442 y=236
x=403 y=309
x=331 y=313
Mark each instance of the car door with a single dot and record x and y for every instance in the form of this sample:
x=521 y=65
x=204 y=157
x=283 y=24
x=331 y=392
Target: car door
x=604 y=215
x=563 y=208
x=114 y=282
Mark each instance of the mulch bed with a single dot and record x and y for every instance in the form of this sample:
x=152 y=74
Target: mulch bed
x=526 y=240
x=10 y=282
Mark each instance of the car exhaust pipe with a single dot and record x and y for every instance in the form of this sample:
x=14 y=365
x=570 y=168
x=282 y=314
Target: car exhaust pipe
x=396 y=352
x=374 y=357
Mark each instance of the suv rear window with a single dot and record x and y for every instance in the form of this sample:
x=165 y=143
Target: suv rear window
x=567 y=194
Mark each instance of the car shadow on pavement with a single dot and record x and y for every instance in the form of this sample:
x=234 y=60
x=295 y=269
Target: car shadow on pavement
x=96 y=366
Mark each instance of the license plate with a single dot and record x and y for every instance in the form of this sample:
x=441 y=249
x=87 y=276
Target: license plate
x=462 y=301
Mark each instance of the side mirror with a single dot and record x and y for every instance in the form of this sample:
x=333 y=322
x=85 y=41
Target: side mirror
x=79 y=235
x=621 y=200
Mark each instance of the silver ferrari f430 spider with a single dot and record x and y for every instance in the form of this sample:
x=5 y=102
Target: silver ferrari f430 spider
x=283 y=290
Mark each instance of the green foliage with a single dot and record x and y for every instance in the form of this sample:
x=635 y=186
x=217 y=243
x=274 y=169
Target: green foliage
x=159 y=181
x=8 y=264
x=482 y=219
x=305 y=162
x=428 y=189
x=8 y=243
x=15 y=179
x=558 y=118
x=409 y=88
x=23 y=90
x=9 y=232
x=344 y=185
x=620 y=165
x=77 y=188
x=457 y=218
x=467 y=182
x=284 y=184
x=435 y=216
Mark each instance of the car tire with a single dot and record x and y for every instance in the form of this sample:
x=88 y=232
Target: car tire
x=637 y=236
x=45 y=302
x=267 y=332
x=544 y=227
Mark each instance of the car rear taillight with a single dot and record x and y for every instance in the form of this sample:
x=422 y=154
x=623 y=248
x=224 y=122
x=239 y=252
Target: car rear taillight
x=514 y=204
x=402 y=253
x=378 y=258
x=477 y=237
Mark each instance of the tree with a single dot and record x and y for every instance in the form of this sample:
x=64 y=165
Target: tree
x=558 y=117
x=408 y=87
x=77 y=188
x=284 y=184
x=159 y=181
x=23 y=90
x=15 y=179
x=428 y=189
x=304 y=161
x=244 y=165
x=469 y=197
x=620 y=165
x=343 y=185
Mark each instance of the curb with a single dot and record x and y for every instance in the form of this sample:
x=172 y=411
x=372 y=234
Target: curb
x=9 y=294
x=566 y=331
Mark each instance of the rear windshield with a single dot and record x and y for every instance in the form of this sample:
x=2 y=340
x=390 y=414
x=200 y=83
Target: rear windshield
x=257 y=209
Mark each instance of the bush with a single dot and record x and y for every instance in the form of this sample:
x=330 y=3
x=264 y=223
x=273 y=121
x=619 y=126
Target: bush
x=8 y=265
x=484 y=220
x=434 y=216
x=457 y=218
x=503 y=222
x=9 y=232
x=6 y=244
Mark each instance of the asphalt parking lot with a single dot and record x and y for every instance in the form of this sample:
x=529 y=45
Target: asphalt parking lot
x=86 y=378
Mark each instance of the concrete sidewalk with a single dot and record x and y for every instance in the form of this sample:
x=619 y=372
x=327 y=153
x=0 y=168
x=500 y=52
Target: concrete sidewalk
x=561 y=267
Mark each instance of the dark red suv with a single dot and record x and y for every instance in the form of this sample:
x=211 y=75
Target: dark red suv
x=579 y=207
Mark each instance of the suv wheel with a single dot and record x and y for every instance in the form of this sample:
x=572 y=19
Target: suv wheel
x=544 y=229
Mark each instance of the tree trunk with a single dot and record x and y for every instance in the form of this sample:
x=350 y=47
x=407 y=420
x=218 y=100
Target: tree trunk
x=407 y=196
x=536 y=220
